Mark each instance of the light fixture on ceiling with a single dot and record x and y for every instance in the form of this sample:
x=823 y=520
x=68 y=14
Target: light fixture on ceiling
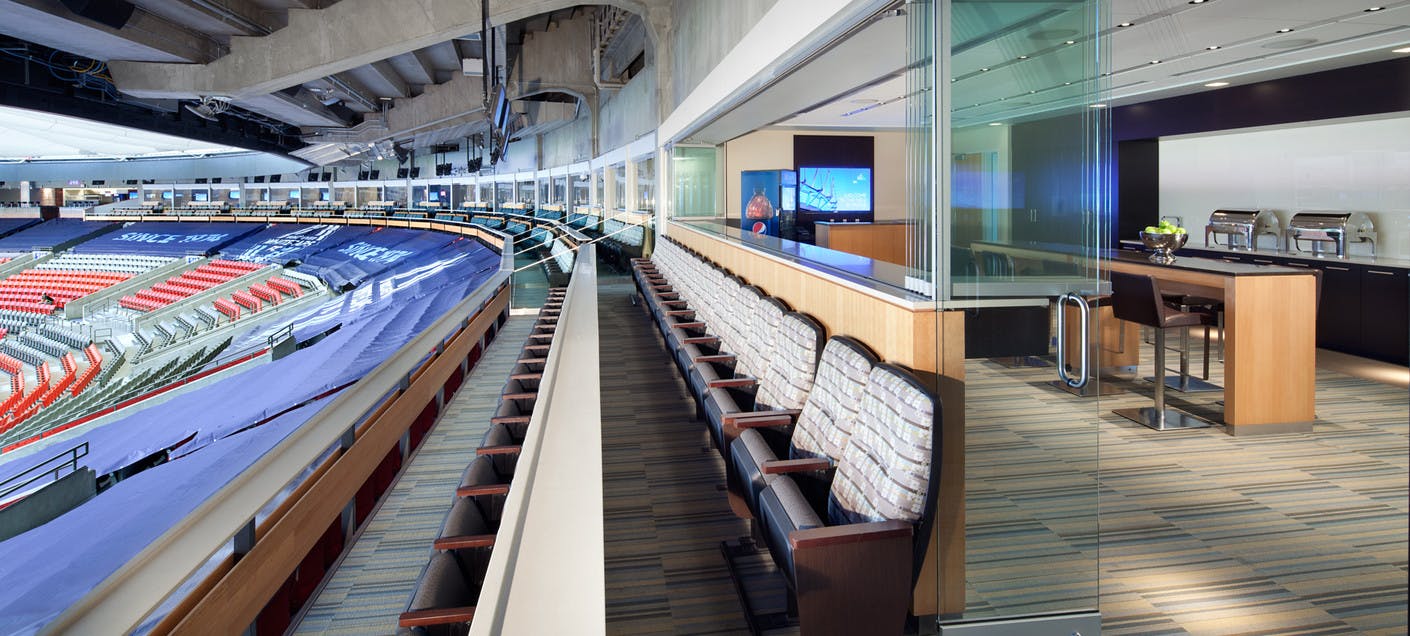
x=1285 y=30
x=1023 y=57
x=1067 y=83
x=1098 y=106
x=1212 y=48
x=1217 y=84
x=994 y=123
x=1198 y=1
x=982 y=70
x=1401 y=50
x=1124 y=24
x=1373 y=9
x=1155 y=61
x=210 y=107
x=1070 y=42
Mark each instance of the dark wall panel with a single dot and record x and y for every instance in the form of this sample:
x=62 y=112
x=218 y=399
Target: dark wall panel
x=1138 y=189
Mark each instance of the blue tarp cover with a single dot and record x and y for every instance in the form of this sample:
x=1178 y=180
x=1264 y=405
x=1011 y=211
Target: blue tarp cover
x=287 y=243
x=350 y=264
x=8 y=225
x=51 y=567
x=167 y=238
x=49 y=234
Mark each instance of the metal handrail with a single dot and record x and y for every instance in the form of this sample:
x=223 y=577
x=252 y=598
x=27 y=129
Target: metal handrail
x=77 y=452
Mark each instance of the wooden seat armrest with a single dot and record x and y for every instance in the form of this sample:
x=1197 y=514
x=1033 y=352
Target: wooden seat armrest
x=700 y=340
x=526 y=376
x=536 y=348
x=681 y=312
x=674 y=303
x=850 y=533
x=767 y=421
x=719 y=358
x=438 y=616
x=532 y=360
x=510 y=419
x=696 y=324
x=482 y=490
x=505 y=449
x=786 y=414
x=463 y=542
x=528 y=395
x=732 y=383
x=542 y=336
x=781 y=466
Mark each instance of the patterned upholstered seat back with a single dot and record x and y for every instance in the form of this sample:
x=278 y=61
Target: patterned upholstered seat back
x=792 y=363
x=740 y=338
x=825 y=424
x=885 y=471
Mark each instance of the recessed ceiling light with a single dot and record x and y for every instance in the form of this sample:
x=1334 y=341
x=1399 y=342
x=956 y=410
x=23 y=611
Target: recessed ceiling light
x=1098 y=105
x=1032 y=92
x=1285 y=30
x=1155 y=61
x=1124 y=24
x=1401 y=50
x=1023 y=57
x=1217 y=84
x=1373 y=9
x=1067 y=83
x=994 y=123
x=983 y=70
x=1070 y=42
x=1197 y=1
x=1212 y=48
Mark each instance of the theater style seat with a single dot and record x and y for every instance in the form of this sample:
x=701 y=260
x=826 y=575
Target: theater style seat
x=852 y=564
x=819 y=431
x=444 y=602
x=788 y=363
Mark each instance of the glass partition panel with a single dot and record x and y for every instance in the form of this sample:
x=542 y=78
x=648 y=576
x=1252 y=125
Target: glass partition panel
x=546 y=191
x=1016 y=150
x=368 y=194
x=395 y=194
x=694 y=181
x=600 y=187
x=525 y=193
x=645 y=199
x=582 y=189
x=503 y=194
x=618 y=200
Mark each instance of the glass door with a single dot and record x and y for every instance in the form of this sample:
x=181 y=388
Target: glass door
x=1008 y=148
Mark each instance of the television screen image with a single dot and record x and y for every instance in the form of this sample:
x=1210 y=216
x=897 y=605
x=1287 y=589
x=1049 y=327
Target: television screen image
x=166 y=195
x=234 y=195
x=822 y=189
x=434 y=196
x=295 y=194
x=323 y=195
x=200 y=196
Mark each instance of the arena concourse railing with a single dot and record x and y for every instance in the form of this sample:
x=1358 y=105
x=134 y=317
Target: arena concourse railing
x=546 y=573
x=318 y=470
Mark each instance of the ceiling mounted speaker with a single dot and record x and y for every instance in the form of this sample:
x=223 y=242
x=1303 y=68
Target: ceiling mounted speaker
x=113 y=13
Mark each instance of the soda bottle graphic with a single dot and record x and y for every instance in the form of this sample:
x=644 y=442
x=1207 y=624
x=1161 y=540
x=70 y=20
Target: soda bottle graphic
x=760 y=211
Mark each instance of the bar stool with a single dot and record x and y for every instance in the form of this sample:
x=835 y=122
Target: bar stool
x=1211 y=313
x=1137 y=299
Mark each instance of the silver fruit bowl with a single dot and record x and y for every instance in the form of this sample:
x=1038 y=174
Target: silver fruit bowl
x=1163 y=246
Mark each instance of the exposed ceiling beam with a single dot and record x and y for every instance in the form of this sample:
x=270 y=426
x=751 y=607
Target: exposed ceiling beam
x=226 y=17
x=391 y=81
x=424 y=65
x=353 y=90
x=145 y=37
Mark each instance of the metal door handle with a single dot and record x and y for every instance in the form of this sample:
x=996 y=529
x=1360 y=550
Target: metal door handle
x=1081 y=379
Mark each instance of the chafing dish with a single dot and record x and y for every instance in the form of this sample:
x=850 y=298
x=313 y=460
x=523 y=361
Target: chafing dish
x=1241 y=228
x=1325 y=230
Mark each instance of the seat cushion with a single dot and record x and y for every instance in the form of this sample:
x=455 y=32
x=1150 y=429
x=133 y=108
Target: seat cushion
x=783 y=509
x=748 y=452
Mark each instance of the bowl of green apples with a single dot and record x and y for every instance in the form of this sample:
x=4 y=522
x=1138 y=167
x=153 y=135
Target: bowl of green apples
x=1163 y=240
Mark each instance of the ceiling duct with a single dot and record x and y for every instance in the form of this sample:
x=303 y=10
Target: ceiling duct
x=112 y=13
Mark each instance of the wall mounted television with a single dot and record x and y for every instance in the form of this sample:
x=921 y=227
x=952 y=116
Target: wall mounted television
x=833 y=190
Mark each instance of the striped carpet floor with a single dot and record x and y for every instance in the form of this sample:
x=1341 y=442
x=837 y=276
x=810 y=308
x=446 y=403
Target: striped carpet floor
x=665 y=516
x=1186 y=532
x=375 y=580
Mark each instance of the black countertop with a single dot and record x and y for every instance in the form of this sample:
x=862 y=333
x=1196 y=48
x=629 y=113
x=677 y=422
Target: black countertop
x=1210 y=265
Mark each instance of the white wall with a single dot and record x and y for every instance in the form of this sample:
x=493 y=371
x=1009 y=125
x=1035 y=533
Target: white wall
x=1361 y=166
x=772 y=149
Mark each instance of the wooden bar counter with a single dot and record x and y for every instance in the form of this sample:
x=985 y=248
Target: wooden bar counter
x=1270 y=331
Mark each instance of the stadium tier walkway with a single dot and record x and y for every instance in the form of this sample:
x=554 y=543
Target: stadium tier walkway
x=372 y=584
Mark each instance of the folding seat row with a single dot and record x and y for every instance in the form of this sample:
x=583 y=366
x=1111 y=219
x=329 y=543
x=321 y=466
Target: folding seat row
x=835 y=458
x=449 y=586
x=286 y=286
